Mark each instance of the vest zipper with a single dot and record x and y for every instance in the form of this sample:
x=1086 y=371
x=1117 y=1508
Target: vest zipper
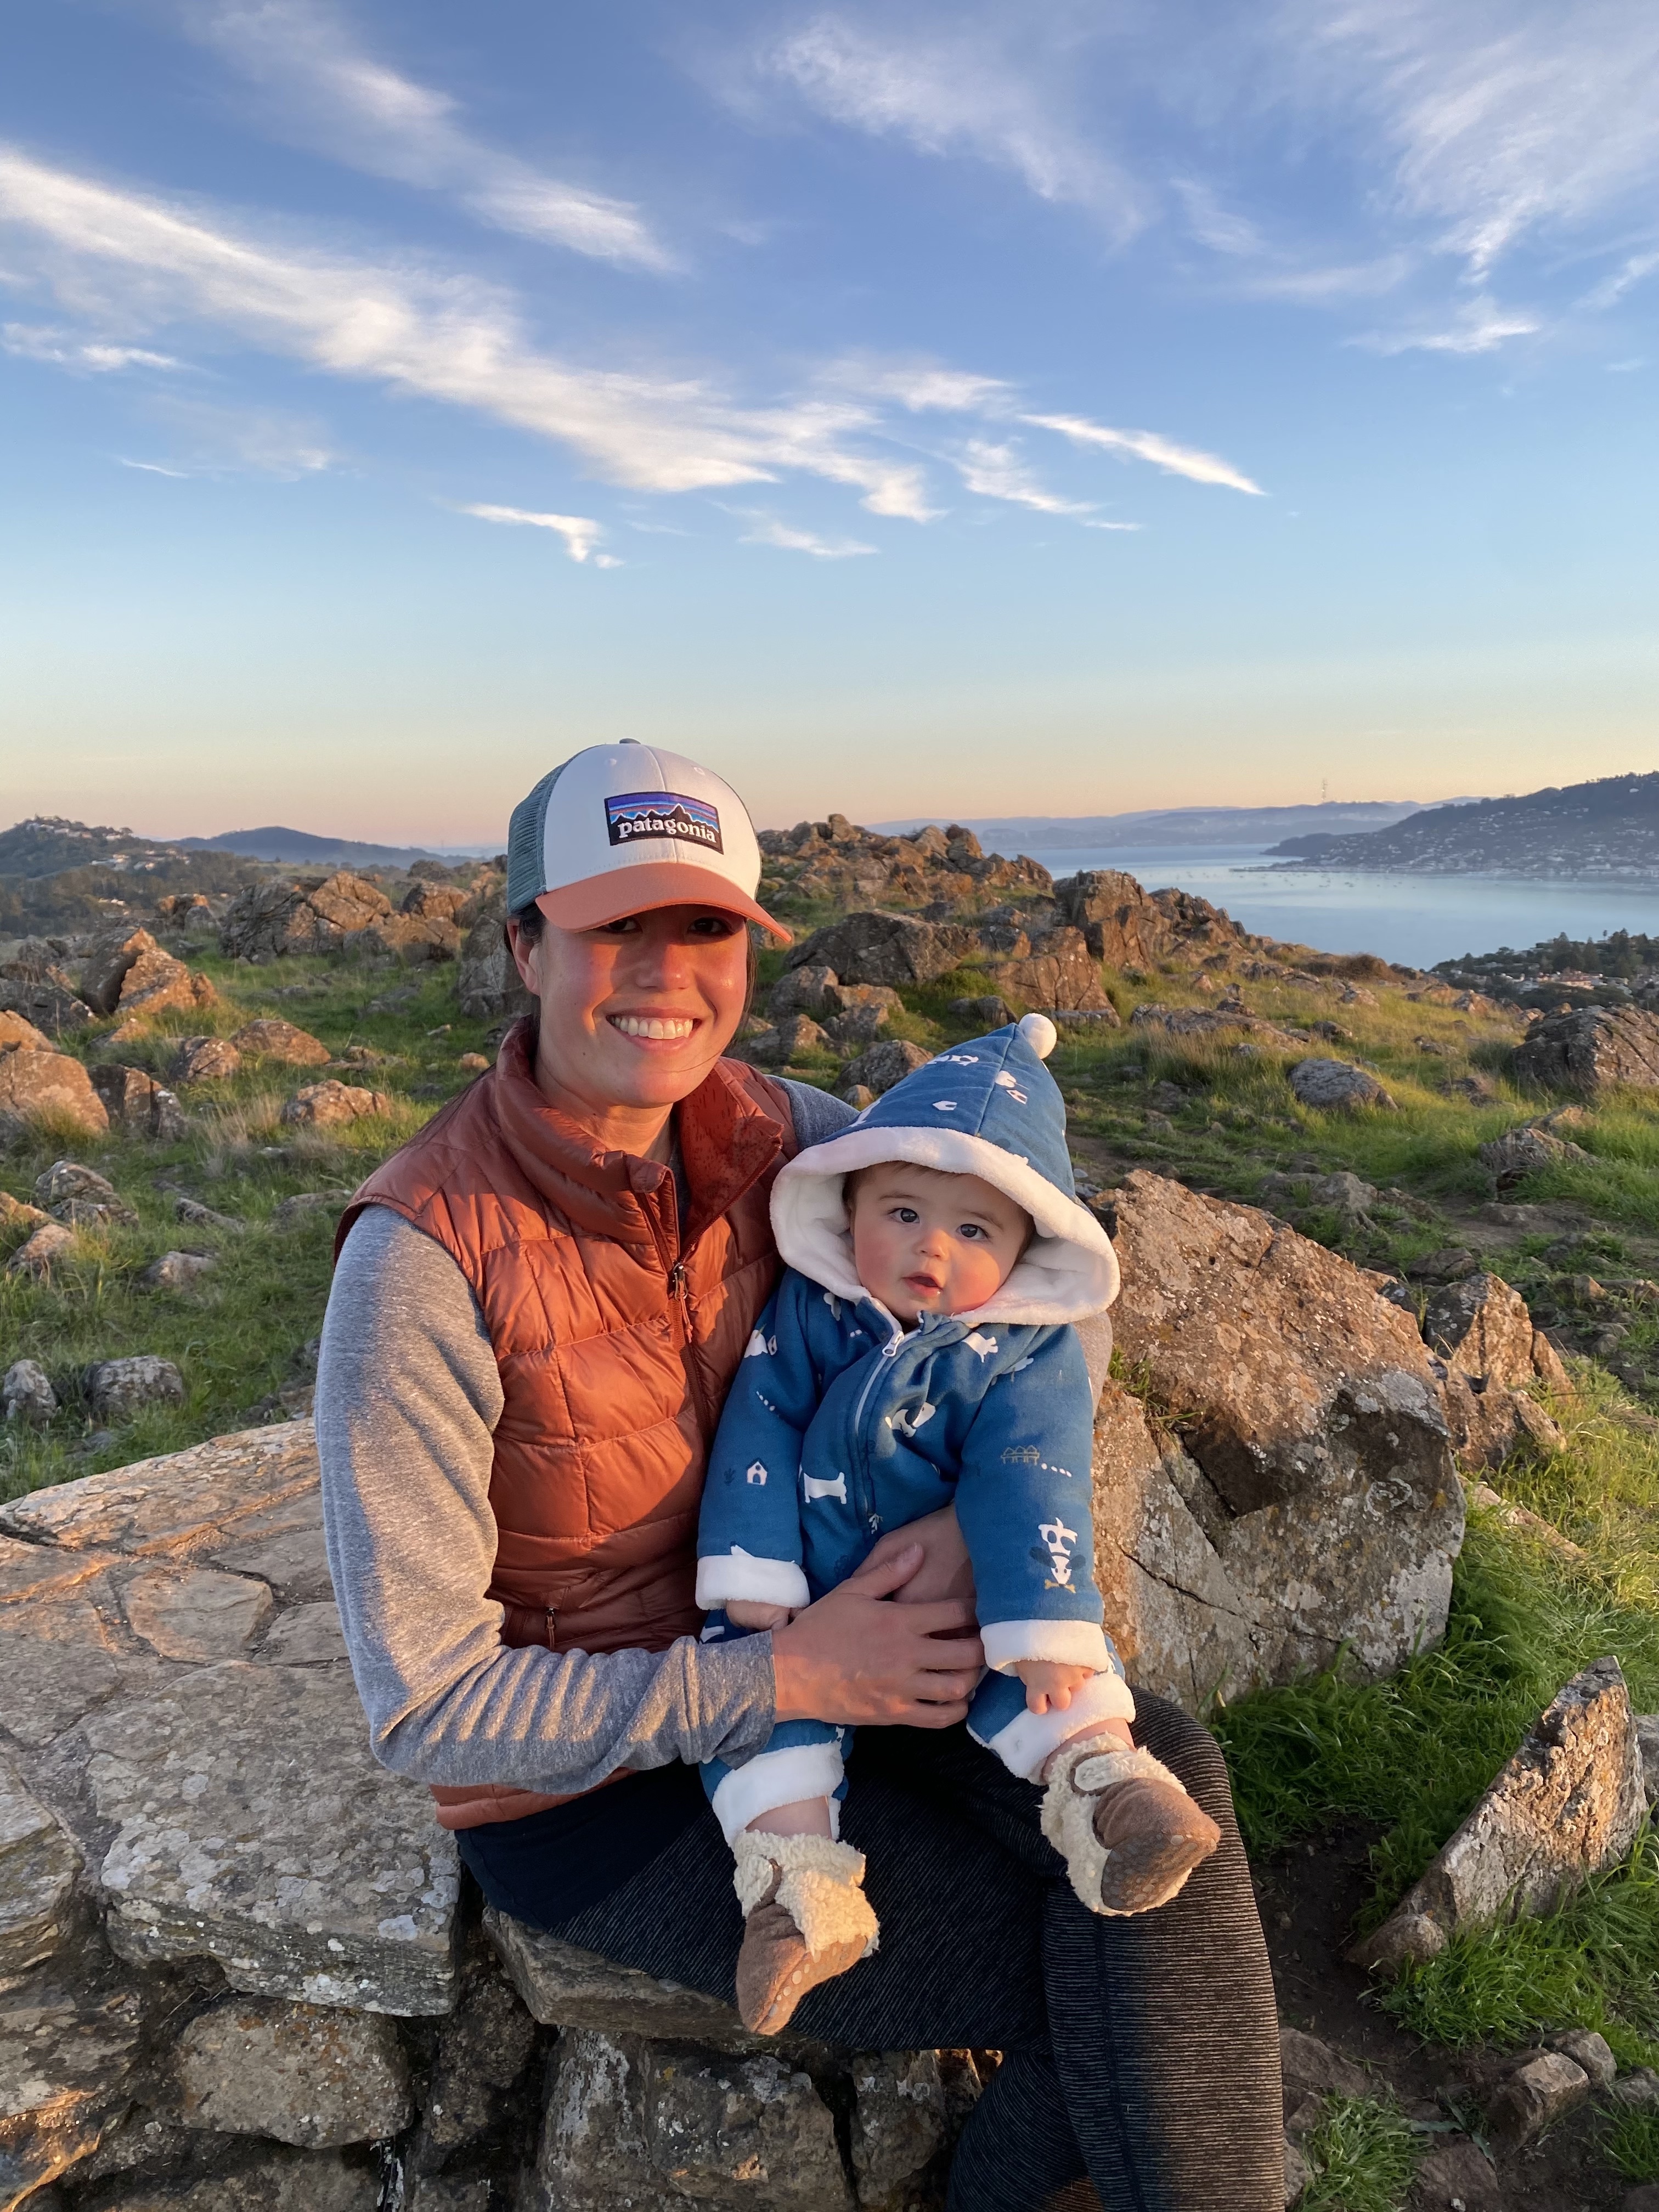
x=552 y=1626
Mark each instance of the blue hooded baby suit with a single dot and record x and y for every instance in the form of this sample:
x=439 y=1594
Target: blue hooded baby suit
x=842 y=1425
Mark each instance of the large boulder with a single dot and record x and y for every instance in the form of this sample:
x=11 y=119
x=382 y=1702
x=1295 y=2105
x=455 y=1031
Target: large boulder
x=1059 y=974
x=1591 y=1048
x=34 y=985
x=134 y=1099
x=204 y=1059
x=894 y=949
x=487 y=982
x=38 y=1087
x=274 y=1039
x=127 y=973
x=331 y=1105
x=884 y=1064
x=318 y=914
x=1336 y=1086
x=1129 y=927
x=1519 y=1153
x=1297 y=1494
x=1569 y=1804
x=37 y=1866
x=311 y=2075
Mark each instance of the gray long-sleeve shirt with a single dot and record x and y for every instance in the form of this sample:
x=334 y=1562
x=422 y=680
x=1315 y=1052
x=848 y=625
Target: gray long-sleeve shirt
x=408 y=1397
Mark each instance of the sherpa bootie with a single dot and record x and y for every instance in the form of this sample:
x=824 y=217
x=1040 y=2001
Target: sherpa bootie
x=1128 y=1831
x=806 y=1920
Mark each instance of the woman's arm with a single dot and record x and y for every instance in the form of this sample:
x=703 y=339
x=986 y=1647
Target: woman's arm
x=408 y=1396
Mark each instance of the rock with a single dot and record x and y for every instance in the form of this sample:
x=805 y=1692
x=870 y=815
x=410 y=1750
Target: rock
x=884 y=1064
x=249 y=1487
x=118 y=1388
x=37 y=1866
x=1311 y=1501
x=296 y=1565
x=858 y=1095
x=858 y=1027
x=475 y=1063
x=803 y=991
x=17 y=1218
x=47 y=1086
x=1636 y=2091
x=178 y=1271
x=192 y=1211
x=631 y=2123
x=255 y=1828
x=307 y=1636
x=306 y=1203
x=272 y=2180
x=67 y=1182
x=1483 y=1331
x=900 y=2123
x=436 y=901
x=108 y=964
x=65 y=2053
x=1336 y=1086
x=40 y=1253
x=1587 y=2050
x=28 y=1394
x=1455 y=2177
x=564 y=1986
x=1298 y=2172
x=198 y=1614
x=487 y=980
x=315 y=914
x=1310 y=2071
x=1519 y=1153
x=1129 y=928
x=1449 y=1263
x=1569 y=1804
x=273 y=1039
x=794 y=1036
x=18 y=1036
x=1591 y=1048
x=128 y=973
x=204 y=1059
x=44 y=996
x=1543 y=2089
x=411 y=938
x=1059 y=973
x=894 y=948
x=138 y=1103
x=331 y=1105
x=987 y=1012
x=312 y=2076
x=1647 y=1737
x=50 y=1685
x=484 y=2050
x=1529 y=1524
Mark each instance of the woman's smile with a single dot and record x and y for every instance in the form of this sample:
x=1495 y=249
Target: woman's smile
x=667 y=1029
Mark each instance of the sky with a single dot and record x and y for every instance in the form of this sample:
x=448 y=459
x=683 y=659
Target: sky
x=1039 y=406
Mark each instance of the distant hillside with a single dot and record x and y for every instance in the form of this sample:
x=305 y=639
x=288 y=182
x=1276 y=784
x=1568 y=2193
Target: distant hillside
x=46 y=843
x=304 y=849
x=58 y=876
x=1176 y=825
x=1608 y=829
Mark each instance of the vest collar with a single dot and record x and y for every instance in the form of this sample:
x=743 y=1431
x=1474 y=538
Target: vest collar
x=726 y=1145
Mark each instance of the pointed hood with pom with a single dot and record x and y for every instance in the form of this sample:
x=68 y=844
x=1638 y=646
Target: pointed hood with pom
x=988 y=1107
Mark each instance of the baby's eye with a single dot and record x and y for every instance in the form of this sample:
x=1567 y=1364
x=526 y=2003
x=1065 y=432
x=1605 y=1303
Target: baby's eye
x=972 y=1231
x=907 y=1214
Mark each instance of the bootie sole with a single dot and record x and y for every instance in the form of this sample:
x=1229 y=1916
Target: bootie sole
x=775 y=1970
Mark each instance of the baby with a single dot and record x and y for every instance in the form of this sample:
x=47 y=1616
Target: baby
x=917 y=1352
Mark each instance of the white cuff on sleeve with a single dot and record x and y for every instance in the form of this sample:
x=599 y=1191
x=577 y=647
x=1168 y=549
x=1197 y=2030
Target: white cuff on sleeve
x=1027 y=1740
x=772 y=1779
x=736 y=1574
x=1066 y=1643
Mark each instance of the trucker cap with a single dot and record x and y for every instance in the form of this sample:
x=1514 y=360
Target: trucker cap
x=621 y=829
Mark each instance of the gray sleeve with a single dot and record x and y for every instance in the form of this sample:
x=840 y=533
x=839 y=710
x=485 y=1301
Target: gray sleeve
x=408 y=1396
x=817 y=1115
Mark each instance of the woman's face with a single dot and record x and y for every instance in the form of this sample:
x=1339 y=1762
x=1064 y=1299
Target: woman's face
x=635 y=1012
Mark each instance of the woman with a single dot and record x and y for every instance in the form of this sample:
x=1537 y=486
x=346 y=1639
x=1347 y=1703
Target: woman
x=538 y=1306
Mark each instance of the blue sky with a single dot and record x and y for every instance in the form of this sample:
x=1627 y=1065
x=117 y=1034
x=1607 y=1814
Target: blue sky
x=981 y=409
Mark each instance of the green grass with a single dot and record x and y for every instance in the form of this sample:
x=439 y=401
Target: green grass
x=1361 y=2157
x=1593 y=1964
x=1631 y=2144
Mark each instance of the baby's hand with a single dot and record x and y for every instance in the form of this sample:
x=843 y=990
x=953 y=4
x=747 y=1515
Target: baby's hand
x=1048 y=1685
x=748 y=1614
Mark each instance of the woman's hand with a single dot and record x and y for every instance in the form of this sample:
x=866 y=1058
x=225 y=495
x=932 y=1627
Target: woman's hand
x=855 y=1660
x=946 y=1571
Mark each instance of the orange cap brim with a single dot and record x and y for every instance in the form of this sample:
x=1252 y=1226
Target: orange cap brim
x=646 y=886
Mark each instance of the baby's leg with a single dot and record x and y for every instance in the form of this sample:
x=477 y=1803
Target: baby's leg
x=805 y=1917
x=1128 y=1832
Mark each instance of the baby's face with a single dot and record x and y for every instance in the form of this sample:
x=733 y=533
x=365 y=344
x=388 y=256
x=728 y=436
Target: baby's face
x=927 y=1242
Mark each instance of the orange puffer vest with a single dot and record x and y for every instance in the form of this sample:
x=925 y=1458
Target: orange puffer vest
x=616 y=1329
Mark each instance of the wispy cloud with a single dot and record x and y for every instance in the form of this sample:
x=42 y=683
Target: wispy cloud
x=767 y=529
x=131 y=260
x=920 y=387
x=154 y=469
x=323 y=90
x=999 y=472
x=208 y=439
x=1149 y=446
x=40 y=342
x=960 y=93
x=1480 y=325
x=580 y=533
x=1630 y=273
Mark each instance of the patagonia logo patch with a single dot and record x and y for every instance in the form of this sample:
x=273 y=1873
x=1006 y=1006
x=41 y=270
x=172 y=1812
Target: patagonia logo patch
x=634 y=814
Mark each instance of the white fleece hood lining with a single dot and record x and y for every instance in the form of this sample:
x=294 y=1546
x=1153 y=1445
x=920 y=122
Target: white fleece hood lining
x=1068 y=1269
